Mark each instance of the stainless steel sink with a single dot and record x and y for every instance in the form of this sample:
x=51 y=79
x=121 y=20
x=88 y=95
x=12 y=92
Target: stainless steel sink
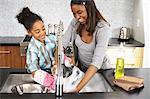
x=26 y=83
x=95 y=84
x=16 y=79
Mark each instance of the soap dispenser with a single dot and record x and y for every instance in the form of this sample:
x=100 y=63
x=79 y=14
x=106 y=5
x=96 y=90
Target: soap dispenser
x=119 y=72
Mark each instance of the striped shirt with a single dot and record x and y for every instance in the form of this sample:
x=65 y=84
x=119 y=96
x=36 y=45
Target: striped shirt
x=40 y=56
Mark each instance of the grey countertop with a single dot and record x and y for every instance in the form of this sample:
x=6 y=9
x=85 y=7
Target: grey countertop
x=127 y=43
x=10 y=40
x=142 y=93
x=112 y=42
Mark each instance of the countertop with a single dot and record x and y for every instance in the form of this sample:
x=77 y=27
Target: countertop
x=112 y=42
x=142 y=93
x=4 y=41
x=127 y=43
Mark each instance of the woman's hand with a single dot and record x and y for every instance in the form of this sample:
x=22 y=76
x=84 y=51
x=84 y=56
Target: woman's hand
x=73 y=90
x=76 y=90
x=88 y=76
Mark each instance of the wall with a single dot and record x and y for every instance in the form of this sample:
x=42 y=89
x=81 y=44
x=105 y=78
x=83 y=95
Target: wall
x=138 y=24
x=50 y=10
x=118 y=12
x=146 y=11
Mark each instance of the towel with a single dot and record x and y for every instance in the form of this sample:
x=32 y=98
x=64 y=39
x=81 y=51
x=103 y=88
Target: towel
x=129 y=83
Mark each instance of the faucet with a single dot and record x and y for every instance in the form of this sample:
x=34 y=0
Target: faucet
x=60 y=62
x=49 y=29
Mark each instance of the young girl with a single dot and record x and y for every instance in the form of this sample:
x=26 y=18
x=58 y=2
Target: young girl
x=40 y=52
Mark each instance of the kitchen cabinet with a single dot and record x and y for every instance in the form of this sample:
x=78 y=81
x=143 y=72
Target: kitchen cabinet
x=133 y=56
x=10 y=57
x=131 y=50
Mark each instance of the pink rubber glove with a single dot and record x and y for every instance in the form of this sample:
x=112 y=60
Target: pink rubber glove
x=44 y=79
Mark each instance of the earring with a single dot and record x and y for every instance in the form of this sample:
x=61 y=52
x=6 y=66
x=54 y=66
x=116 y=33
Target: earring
x=83 y=3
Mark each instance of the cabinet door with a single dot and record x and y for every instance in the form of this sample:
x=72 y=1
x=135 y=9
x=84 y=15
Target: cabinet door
x=10 y=57
x=5 y=60
x=133 y=56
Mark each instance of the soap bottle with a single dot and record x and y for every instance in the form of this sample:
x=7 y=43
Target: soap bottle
x=119 y=72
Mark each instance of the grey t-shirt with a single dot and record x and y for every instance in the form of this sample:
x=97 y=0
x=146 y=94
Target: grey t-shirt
x=93 y=53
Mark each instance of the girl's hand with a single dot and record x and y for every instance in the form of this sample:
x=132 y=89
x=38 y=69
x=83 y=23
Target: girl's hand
x=54 y=70
x=33 y=73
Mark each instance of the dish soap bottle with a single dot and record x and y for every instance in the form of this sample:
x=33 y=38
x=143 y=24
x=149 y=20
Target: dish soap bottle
x=119 y=72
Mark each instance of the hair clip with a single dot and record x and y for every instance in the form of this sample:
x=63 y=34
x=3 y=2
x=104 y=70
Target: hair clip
x=83 y=3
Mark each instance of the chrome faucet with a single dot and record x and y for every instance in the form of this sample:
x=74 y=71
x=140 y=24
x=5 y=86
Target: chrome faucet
x=53 y=28
x=49 y=29
x=60 y=60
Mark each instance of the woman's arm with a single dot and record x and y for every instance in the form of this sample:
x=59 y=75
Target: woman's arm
x=102 y=39
x=88 y=75
x=33 y=73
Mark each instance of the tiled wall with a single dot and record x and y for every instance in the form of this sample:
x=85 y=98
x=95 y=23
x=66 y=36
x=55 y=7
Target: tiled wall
x=50 y=10
x=118 y=12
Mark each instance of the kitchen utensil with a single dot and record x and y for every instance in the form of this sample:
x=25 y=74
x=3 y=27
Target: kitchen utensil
x=124 y=33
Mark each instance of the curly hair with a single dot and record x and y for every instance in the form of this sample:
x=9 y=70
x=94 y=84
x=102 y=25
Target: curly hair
x=27 y=18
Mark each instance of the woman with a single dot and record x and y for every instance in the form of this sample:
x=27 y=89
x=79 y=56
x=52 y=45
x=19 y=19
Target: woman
x=90 y=33
x=40 y=52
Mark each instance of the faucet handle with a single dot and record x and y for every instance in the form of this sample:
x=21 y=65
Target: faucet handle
x=49 y=28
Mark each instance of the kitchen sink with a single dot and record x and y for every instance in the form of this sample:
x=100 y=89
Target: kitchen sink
x=26 y=83
x=16 y=79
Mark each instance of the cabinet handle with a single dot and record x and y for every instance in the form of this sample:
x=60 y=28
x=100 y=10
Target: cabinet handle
x=4 y=52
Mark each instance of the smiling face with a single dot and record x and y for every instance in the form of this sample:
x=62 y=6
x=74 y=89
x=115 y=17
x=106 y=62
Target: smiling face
x=38 y=31
x=80 y=13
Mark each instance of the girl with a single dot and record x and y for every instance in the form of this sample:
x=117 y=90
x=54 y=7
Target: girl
x=40 y=52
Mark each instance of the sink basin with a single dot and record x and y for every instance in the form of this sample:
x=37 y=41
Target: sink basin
x=26 y=84
x=95 y=85
x=16 y=79
x=29 y=88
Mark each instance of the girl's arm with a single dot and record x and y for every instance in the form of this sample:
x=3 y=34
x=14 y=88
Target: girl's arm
x=56 y=56
x=32 y=62
x=33 y=73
